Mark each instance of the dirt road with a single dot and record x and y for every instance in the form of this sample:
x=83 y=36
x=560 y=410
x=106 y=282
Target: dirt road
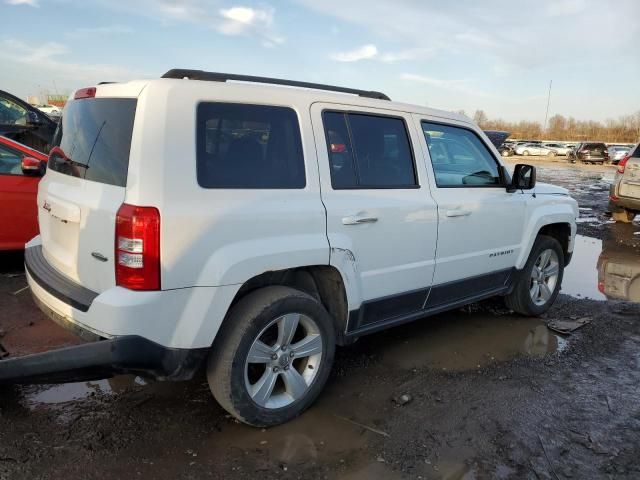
x=487 y=394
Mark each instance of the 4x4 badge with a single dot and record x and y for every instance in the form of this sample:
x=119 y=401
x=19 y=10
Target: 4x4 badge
x=46 y=206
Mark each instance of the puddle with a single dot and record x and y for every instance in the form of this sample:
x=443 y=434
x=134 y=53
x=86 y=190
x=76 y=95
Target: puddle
x=581 y=276
x=459 y=341
x=68 y=392
x=603 y=270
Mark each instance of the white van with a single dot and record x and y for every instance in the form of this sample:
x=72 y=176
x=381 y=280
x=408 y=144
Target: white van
x=252 y=224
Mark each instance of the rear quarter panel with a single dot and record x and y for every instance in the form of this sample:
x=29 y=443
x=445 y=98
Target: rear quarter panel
x=213 y=237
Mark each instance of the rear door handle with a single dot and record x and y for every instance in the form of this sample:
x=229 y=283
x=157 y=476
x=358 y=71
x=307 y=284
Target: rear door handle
x=458 y=212
x=358 y=219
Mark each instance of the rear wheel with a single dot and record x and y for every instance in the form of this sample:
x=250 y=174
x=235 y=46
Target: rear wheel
x=272 y=356
x=505 y=153
x=552 y=153
x=622 y=215
x=525 y=153
x=539 y=282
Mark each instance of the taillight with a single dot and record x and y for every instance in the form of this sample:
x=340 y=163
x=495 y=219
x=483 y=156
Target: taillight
x=338 y=148
x=137 y=248
x=88 y=92
x=623 y=163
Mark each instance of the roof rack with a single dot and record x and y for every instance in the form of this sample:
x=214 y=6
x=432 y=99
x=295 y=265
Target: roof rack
x=223 y=77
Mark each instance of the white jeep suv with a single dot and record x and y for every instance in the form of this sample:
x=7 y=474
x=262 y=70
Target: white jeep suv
x=222 y=220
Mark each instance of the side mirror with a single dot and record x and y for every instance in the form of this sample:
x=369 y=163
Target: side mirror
x=32 y=166
x=524 y=178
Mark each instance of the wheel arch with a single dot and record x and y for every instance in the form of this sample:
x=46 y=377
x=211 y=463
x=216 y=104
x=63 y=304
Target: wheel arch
x=557 y=221
x=323 y=282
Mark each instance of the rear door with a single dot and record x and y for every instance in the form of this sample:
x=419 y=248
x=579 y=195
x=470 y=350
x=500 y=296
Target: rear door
x=84 y=187
x=379 y=208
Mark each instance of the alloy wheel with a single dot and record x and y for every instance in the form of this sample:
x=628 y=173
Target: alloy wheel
x=283 y=361
x=544 y=276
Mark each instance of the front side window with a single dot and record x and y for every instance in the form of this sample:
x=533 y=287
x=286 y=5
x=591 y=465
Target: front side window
x=368 y=151
x=459 y=158
x=248 y=146
x=10 y=161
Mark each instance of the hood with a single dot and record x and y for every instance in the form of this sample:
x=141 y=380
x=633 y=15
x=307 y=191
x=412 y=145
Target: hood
x=548 y=189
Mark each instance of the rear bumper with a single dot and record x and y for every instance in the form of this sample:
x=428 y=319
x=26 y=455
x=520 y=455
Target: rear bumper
x=625 y=202
x=103 y=359
x=110 y=322
x=185 y=318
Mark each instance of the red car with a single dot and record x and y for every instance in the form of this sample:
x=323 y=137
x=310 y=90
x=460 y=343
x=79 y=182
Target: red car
x=20 y=170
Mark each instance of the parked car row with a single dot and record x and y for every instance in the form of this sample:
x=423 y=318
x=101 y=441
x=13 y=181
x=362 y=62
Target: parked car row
x=535 y=148
x=585 y=152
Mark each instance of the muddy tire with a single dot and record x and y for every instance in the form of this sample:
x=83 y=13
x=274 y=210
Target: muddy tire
x=622 y=215
x=538 y=283
x=272 y=356
x=552 y=154
x=505 y=153
x=525 y=153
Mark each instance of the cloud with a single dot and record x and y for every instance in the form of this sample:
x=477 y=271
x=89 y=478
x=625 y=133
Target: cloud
x=245 y=20
x=45 y=59
x=234 y=20
x=565 y=8
x=364 y=52
x=408 y=54
x=490 y=32
x=31 y=3
x=465 y=87
x=99 y=31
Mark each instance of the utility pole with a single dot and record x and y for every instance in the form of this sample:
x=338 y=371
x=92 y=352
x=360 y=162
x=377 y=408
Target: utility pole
x=546 y=115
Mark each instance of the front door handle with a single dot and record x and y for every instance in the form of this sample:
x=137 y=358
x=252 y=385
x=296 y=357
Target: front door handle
x=358 y=219
x=458 y=212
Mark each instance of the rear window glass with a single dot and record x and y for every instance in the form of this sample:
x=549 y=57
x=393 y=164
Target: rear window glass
x=95 y=138
x=248 y=146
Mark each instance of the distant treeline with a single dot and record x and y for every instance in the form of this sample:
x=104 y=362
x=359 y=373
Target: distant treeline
x=624 y=129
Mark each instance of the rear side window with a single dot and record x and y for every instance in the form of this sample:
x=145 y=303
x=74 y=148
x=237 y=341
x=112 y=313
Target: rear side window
x=368 y=151
x=248 y=146
x=636 y=152
x=459 y=158
x=95 y=137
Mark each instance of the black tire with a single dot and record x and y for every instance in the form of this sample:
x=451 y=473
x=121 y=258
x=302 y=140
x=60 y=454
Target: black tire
x=245 y=321
x=622 y=215
x=519 y=300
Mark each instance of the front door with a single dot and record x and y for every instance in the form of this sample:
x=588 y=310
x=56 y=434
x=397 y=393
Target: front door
x=18 y=211
x=480 y=224
x=381 y=218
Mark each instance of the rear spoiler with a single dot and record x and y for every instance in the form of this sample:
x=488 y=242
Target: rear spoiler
x=497 y=137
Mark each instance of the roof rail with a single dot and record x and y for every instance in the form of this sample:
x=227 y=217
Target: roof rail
x=223 y=77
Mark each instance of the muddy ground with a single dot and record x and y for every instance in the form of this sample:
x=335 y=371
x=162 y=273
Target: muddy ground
x=491 y=394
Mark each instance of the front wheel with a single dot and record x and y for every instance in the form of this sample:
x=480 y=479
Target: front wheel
x=552 y=154
x=525 y=153
x=272 y=356
x=539 y=281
